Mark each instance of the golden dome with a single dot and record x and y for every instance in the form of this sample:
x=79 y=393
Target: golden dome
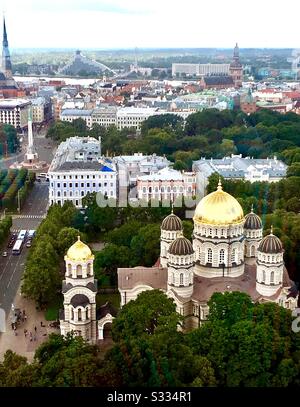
x=79 y=251
x=218 y=208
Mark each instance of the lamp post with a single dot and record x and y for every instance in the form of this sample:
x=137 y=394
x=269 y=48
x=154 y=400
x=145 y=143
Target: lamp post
x=19 y=207
x=223 y=266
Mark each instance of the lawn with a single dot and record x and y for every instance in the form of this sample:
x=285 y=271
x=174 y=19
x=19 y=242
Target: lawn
x=51 y=313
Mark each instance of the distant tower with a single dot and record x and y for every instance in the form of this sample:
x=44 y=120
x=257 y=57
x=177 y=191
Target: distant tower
x=236 y=68
x=31 y=155
x=6 y=62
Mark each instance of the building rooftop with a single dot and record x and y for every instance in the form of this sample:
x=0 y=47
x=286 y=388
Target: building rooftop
x=14 y=102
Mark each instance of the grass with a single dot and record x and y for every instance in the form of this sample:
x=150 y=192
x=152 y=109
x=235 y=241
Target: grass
x=51 y=313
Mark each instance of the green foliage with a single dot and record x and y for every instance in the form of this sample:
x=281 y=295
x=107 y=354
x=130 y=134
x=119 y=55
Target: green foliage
x=41 y=280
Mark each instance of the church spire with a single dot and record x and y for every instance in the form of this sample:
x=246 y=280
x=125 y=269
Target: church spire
x=6 y=62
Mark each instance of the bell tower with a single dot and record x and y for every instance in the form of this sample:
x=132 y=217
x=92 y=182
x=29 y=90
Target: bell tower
x=79 y=289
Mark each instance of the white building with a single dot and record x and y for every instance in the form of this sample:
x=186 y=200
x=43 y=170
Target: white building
x=14 y=112
x=166 y=184
x=105 y=116
x=78 y=169
x=238 y=168
x=200 y=69
x=122 y=117
x=133 y=116
x=68 y=115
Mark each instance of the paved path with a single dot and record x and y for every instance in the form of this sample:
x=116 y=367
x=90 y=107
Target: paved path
x=21 y=344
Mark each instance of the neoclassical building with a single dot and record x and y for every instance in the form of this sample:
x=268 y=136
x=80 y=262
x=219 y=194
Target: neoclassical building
x=227 y=253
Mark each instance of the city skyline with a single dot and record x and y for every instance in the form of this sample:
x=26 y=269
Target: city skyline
x=78 y=24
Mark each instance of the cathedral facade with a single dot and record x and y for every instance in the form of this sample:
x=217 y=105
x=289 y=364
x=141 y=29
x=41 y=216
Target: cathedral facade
x=227 y=253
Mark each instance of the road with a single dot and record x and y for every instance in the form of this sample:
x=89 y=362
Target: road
x=45 y=149
x=12 y=267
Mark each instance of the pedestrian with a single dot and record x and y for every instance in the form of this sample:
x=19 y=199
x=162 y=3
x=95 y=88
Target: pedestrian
x=15 y=329
x=25 y=332
x=35 y=328
x=12 y=325
x=25 y=317
x=30 y=336
x=34 y=338
x=41 y=323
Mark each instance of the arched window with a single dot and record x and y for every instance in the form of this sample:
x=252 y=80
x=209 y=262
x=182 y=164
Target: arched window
x=272 y=277
x=79 y=270
x=252 y=251
x=181 y=279
x=89 y=269
x=86 y=313
x=69 y=269
x=72 y=314
x=209 y=255
x=79 y=315
x=233 y=256
x=173 y=278
x=264 y=276
x=181 y=260
x=222 y=256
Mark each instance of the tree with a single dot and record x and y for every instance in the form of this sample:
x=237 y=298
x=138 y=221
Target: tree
x=109 y=259
x=293 y=170
x=145 y=245
x=41 y=278
x=15 y=371
x=66 y=238
x=67 y=361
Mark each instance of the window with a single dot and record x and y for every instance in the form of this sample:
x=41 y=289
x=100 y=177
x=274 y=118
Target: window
x=58 y=185
x=88 y=185
x=76 y=184
x=233 y=256
x=70 y=185
x=87 y=313
x=272 y=277
x=79 y=315
x=222 y=256
x=72 y=314
x=209 y=256
x=263 y=276
x=181 y=279
x=58 y=193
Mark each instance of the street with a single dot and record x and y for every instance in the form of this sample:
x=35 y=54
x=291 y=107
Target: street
x=12 y=266
x=32 y=214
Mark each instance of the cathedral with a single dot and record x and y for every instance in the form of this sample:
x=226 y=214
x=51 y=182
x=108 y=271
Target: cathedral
x=8 y=86
x=228 y=253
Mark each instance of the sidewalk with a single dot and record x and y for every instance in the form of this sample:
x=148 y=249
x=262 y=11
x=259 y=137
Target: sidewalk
x=21 y=344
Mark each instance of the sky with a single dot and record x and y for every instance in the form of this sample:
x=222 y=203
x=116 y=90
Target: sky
x=105 y=24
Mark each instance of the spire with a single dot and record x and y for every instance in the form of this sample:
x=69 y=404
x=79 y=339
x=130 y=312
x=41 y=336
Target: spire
x=172 y=207
x=236 y=51
x=252 y=208
x=271 y=232
x=6 y=62
x=78 y=238
x=219 y=185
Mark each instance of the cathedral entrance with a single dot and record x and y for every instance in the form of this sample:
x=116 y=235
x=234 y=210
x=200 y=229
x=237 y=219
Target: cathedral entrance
x=107 y=330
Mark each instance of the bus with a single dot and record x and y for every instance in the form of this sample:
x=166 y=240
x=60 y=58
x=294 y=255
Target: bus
x=22 y=235
x=17 y=247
